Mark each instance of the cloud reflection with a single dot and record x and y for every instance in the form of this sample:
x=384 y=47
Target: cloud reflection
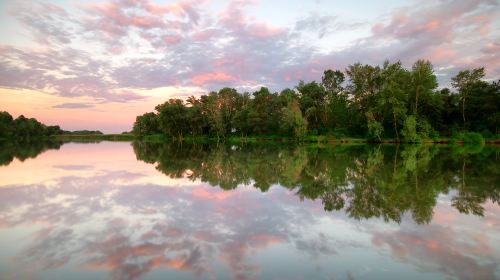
x=115 y=223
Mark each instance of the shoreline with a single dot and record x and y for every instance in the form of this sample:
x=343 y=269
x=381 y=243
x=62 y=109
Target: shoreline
x=255 y=139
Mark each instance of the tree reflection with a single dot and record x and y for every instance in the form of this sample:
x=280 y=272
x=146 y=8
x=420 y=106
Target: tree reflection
x=24 y=150
x=383 y=181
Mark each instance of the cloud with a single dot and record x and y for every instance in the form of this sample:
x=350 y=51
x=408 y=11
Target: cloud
x=110 y=50
x=73 y=167
x=202 y=79
x=49 y=24
x=323 y=25
x=73 y=105
x=441 y=32
x=110 y=220
x=438 y=248
x=187 y=240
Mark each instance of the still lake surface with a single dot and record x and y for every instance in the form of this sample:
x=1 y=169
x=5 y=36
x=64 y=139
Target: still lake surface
x=121 y=210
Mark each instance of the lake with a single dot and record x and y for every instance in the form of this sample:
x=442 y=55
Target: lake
x=122 y=210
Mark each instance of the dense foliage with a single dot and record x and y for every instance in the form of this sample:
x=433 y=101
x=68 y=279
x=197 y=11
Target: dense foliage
x=24 y=129
x=83 y=132
x=376 y=102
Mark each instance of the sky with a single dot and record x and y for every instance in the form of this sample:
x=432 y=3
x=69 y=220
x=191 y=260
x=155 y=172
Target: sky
x=98 y=64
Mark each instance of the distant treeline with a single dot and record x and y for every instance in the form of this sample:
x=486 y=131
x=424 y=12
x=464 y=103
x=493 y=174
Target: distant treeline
x=374 y=102
x=83 y=132
x=27 y=129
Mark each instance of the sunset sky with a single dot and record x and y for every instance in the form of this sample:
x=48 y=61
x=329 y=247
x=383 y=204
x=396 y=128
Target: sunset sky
x=96 y=65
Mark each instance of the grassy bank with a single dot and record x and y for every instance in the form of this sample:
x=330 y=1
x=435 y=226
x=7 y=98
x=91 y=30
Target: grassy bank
x=460 y=139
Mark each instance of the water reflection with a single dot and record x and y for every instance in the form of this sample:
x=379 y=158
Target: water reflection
x=250 y=212
x=366 y=181
x=24 y=150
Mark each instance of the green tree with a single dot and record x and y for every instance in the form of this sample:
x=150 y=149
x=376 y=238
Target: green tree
x=375 y=128
x=197 y=119
x=364 y=87
x=410 y=129
x=173 y=118
x=292 y=120
x=146 y=124
x=241 y=120
x=464 y=82
x=338 y=113
x=265 y=112
x=332 y=81
x=392 y=95
x=6 y=125
x=423 y=83
x=313 y=102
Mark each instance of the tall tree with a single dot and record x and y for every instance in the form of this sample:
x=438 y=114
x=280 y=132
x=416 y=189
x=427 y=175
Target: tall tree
x=241 y=119
x=365 y=83
x=464 y=82
x=337 y=100
x=265 y=112
x=364 y=86
x=392 y=95
x=313 y=102
x=173 y=118
x=423 y=82
x=292 y=120
x=332 y=81
x=6 y=125
x=146 y=124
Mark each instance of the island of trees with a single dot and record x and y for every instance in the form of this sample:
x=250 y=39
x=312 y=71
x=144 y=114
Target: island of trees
x=364 y=101
x=22 y=129
x=25 y=129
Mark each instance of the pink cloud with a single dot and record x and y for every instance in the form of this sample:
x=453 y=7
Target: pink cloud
x=171 y=39
x=441 y=248
x=492 y=48
x=439 y=55
x=217 y=195
x=261 y=30
x=481 y=23
x=115 y=13
x=234 y=19
x=402 y=27
x=205 y=35
x=202 y=79
x=163 y=9
x=180 y=9
x=438 y=21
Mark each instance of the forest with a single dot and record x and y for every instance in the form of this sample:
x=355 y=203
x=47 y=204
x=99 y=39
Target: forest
x=25 y=129
x=22 y=129
x=364 y=101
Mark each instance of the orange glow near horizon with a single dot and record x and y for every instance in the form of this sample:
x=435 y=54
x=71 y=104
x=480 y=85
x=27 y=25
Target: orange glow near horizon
x=109 y=117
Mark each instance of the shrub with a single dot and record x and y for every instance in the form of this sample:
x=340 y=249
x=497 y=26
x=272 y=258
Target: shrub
x=409 y=130
x=473 y=138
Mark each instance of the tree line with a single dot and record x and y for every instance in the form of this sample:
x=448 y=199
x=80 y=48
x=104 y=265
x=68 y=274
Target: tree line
x=25 y=129
x=375 y=102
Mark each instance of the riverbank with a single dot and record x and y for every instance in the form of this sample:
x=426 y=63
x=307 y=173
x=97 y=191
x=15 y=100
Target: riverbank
x=254 y=139
x=95 y=137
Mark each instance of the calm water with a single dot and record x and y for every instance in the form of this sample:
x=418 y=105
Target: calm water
x=116 y=210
